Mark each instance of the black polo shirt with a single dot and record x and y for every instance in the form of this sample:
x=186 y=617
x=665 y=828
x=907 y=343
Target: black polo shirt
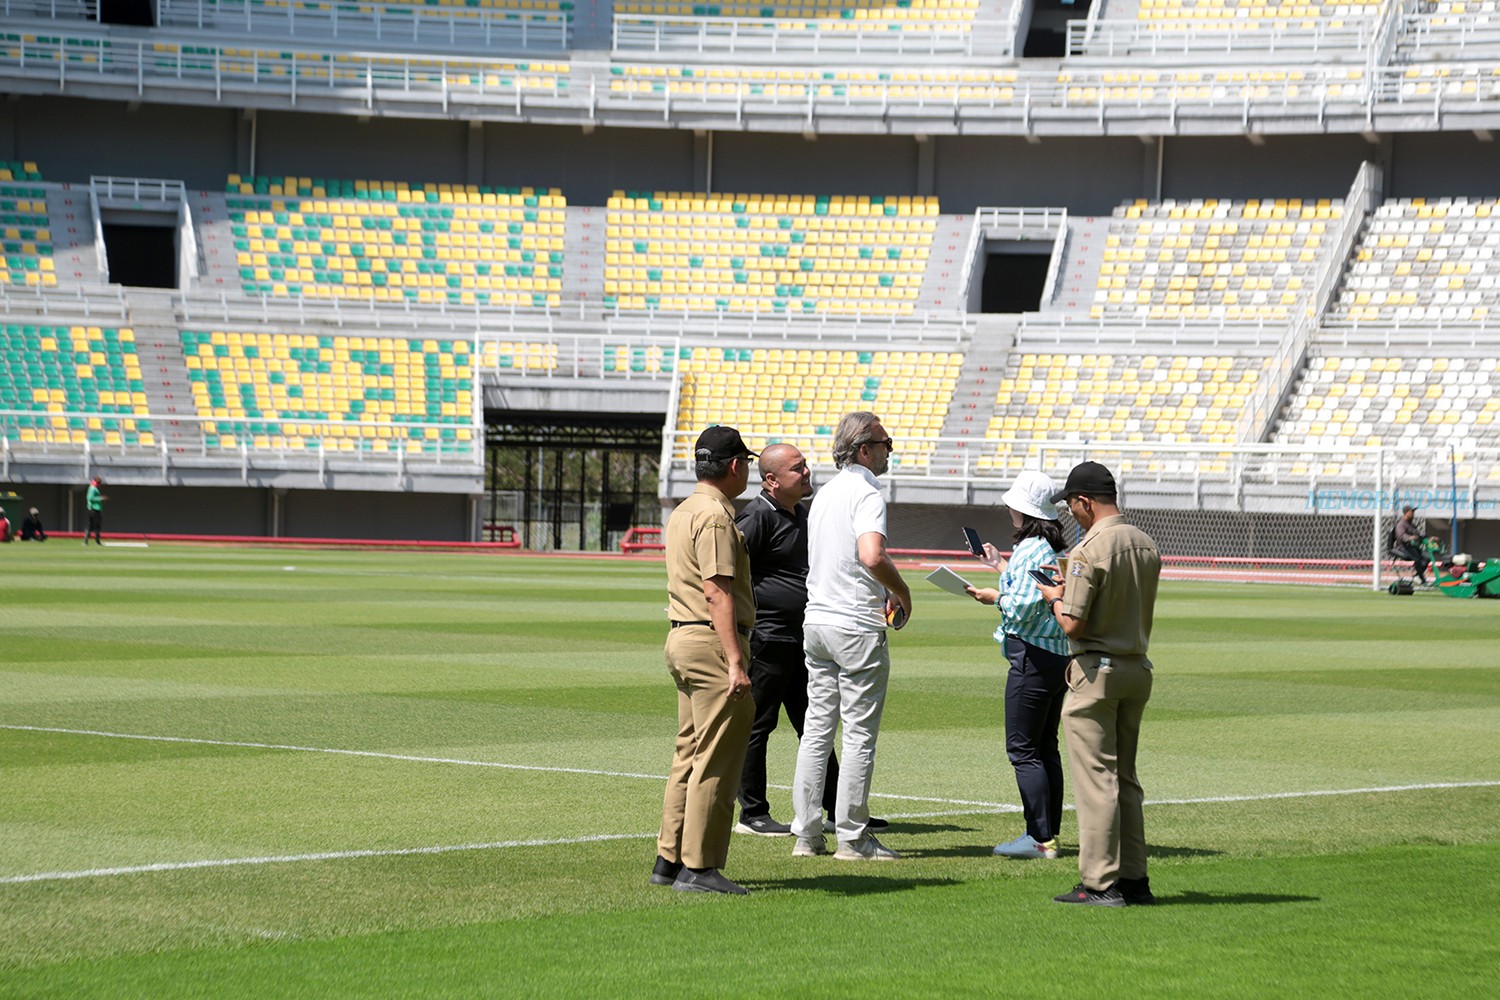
x=776 y=539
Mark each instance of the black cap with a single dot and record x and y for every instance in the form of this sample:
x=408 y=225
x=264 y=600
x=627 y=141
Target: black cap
x=1089 y=478
x=719 y=443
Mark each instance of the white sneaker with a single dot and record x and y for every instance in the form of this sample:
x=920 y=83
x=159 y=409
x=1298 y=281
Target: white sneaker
x=809 y=847
x=867 y=848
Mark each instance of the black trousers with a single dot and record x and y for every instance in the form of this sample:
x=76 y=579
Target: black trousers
x=1418 y=557
x=778 y=679
x=1034 y=690
x=96 y=521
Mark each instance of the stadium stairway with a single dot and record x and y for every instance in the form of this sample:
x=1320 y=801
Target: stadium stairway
x=974 y=394
x=1075 y=287
x=945 y=282
x=215 y=242
x=992 y=33
x=75 y=255
x=158 y=345
x=583 y=252
x=592 y=28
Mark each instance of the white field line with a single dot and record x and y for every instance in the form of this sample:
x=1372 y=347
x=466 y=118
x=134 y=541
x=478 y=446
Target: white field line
x=277 y=859
x=983 y=808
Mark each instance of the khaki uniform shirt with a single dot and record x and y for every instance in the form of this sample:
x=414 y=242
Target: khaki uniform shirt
x=703 y=542
x=1111 y=585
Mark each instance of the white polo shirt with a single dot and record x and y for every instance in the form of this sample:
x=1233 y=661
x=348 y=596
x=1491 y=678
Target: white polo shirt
x=841 y=593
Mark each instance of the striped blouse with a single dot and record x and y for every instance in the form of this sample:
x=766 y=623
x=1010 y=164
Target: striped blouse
x=1023 y=613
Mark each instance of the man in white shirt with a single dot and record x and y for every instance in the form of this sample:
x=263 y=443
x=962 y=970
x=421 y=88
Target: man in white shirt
x=853 y=588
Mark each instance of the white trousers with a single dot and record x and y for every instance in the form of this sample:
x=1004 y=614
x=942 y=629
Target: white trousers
x=846 y=678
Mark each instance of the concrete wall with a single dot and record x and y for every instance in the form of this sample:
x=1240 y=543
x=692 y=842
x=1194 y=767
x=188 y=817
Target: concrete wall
x=243 y=511
x=71 y=139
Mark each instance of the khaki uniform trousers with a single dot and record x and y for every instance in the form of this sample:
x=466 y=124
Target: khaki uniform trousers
x=713 y=732
x=1101 y=718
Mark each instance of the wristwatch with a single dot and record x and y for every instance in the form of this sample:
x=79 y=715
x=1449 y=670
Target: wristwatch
x=1052 y=604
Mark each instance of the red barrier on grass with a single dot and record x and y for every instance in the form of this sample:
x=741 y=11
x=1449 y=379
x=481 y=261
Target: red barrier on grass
x=642 y=540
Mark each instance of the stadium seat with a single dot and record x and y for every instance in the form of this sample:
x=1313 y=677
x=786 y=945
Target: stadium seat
x=798 y=395
x=1210 y=259
x=72 y=385
x=787 y=254
x=349 y=393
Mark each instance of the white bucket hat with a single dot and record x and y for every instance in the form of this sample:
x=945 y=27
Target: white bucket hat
x=1032 y=494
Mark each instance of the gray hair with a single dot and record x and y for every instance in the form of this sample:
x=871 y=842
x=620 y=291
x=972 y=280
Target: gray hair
x=853 y=431
x=711 y=469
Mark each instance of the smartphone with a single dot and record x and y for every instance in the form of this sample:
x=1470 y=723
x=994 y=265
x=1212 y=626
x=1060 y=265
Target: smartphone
x=971 y=538
x=896 y=616
x=1042 y=579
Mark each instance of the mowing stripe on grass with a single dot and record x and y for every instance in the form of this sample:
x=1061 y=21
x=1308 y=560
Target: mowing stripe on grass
x=170 y=866
x=1000 y=806
x=276 y=859
x=412 y=758
x=333 y=750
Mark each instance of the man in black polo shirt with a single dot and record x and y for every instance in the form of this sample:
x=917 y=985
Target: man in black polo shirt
x=775 y=528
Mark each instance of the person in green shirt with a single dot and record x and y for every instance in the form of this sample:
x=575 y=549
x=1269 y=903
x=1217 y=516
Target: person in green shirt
x=94 y=501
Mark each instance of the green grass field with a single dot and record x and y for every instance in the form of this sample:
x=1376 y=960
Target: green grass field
x=509 y=719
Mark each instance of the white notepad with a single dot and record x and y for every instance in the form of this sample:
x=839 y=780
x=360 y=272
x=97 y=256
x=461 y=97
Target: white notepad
x=948 y=580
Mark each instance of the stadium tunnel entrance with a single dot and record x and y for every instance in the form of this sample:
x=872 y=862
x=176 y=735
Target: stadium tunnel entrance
x=141 y=255
x=1015 y=277
x=1046 y=31
x=136 y=13
x=569 y=482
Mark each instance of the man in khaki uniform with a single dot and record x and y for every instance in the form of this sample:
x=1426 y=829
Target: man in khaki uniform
x=711 y=607
x=1104 y=607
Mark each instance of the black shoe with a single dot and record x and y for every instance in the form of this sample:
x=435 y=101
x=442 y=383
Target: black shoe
x=762 y=826
x=1137 y=891
x=708 y=880
x=665 y=872
x=1092 y=897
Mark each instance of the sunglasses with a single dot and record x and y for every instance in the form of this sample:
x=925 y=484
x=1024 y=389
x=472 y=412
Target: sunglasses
x=889 y=443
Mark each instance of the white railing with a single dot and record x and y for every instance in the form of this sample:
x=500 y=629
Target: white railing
x=1253 y=37
x=231 y=437
x=64 y=301
x=79 y=10
x=187 y=235
x=1391 y=16
x=1016 y=223
x=1296 y=467
x=379 y=21
x=1472 y=34
x=1021 y=221
x=1422 y=337
x=203 y=65
x=166 y=194
x=101 y=252
x=234 y=308
x=579 y=356
x=1055 y=264
x=681 y=35
x=1020 y=100
x=1073 y=333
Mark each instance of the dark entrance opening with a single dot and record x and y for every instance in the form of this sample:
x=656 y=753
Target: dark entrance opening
x=1047 y=37
x=1013 y=282
x=141 y=13
x=141 y=256
x=570 y=481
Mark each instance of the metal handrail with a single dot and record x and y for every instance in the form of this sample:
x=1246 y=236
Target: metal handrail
x=714 y=36
x=1206 y=38
x=391 y=22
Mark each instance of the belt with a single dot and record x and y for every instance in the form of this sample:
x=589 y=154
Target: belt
x=741 y=629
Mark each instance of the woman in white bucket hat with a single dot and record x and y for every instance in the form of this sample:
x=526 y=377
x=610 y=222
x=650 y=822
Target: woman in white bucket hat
x=1038 y=655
